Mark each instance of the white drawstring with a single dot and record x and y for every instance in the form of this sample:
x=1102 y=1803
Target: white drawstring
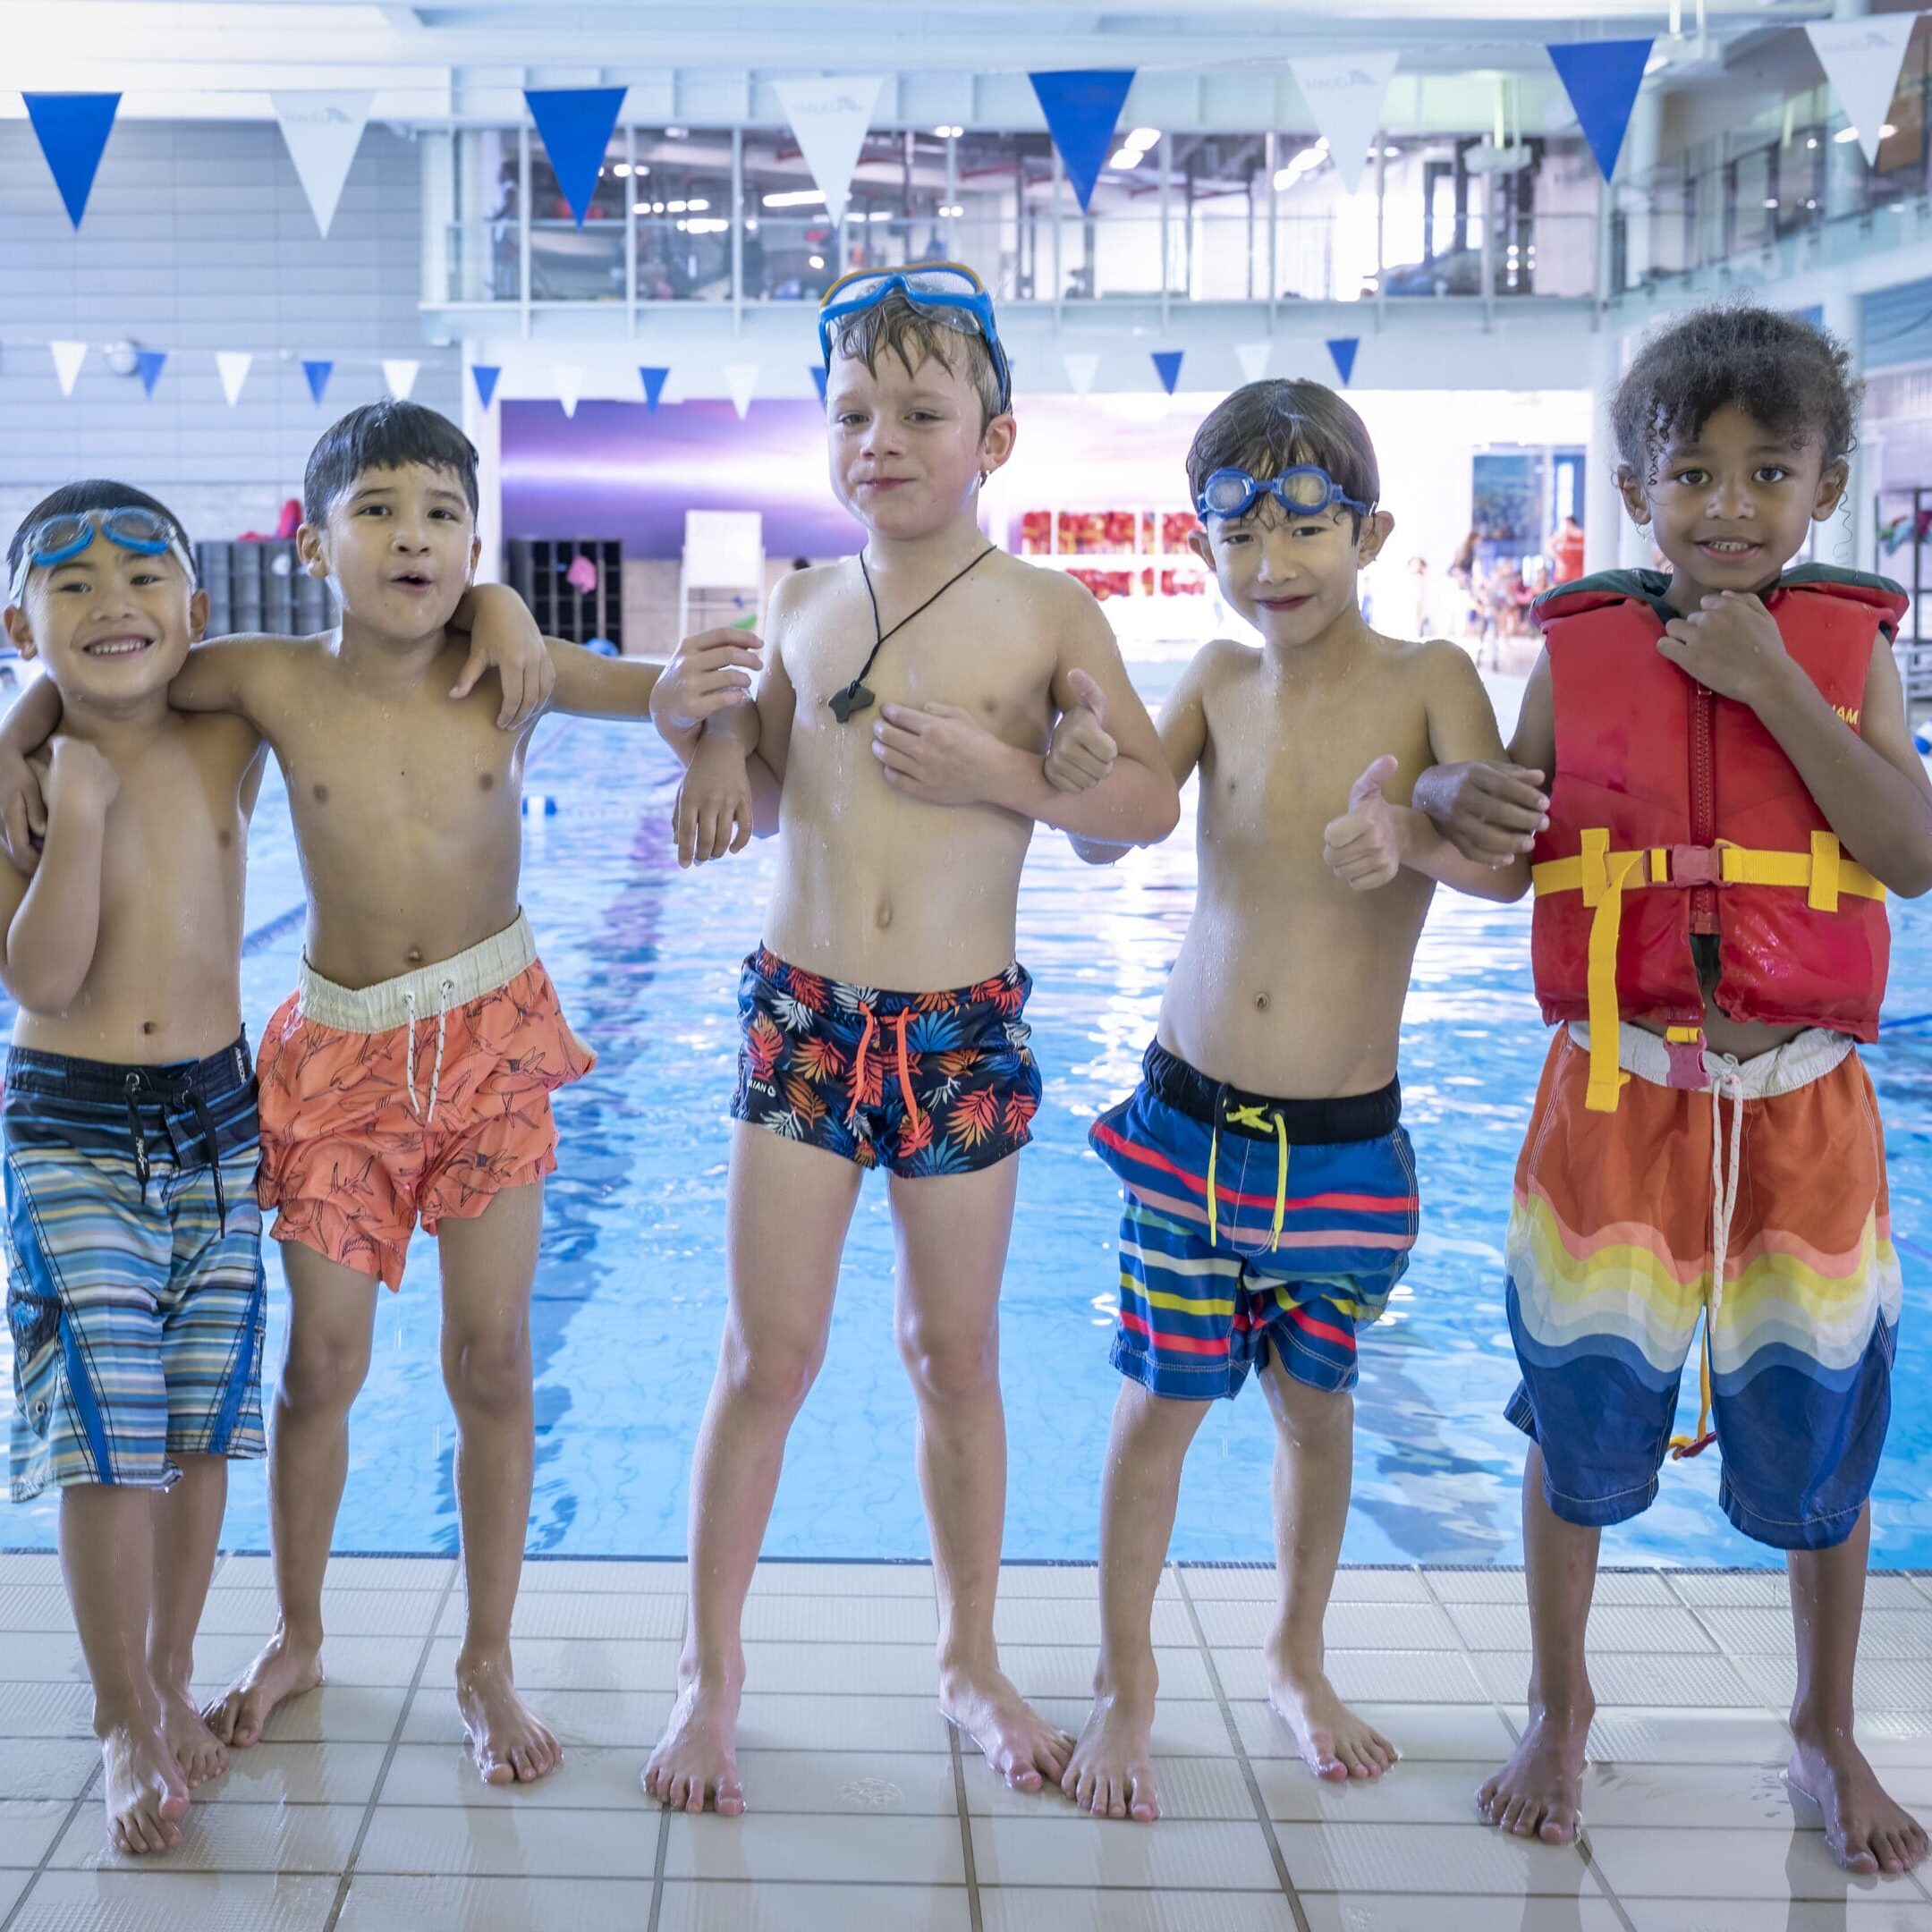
x=1725 y=1080
x=409 y=1057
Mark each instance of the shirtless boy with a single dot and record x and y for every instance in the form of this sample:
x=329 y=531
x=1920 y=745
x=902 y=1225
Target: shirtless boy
x=903 y=785
x=1269 y=1193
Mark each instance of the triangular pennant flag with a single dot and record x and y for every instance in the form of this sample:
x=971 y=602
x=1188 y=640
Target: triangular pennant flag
x=399 y=375
x=576 y=124
x=740 y=380
x=1167 y=367
x=818 y=377
x=653 y=380
x=232 y=365
x=148 y=363
x=1253 y=358
x=830 y=118
x=569 y=376
x=68 y=356
x=72 y=130
x=1082 y=109
x=1343 y=92
x=1342 y=349
x=1080 y=372
x=322 y=132
x=1601 y=78
x=1861 y=59
x=483 y=375
x=318 y=371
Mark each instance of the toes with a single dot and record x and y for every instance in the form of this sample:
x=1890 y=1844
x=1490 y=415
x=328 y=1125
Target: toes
x=730 y=1796
x=1022 y=1776
x=1556 y=1829
x=1144 y=1809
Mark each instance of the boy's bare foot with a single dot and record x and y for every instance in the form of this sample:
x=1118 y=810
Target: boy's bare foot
x=142 y=1786
x=286 y=1669
x=1539 y=1792
x=200 y=1753
x=1335 y=1743
x=696 y=1761
x=1868 y=1830
x=1110 y=1773
x=1014 y=1739
x=511 y=1744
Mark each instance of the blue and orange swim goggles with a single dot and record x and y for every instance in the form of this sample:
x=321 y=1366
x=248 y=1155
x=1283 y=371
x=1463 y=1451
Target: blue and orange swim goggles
x=946 y=292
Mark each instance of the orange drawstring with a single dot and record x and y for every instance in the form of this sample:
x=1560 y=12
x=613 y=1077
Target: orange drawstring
x=900 y=1020
x=905 y=1071
x=858 y=1066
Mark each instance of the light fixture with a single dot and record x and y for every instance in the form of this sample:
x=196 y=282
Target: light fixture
x=677 y=133
x=949 y=133
x=621 y=171
x=1770 y=200
x=1392 y=154
x=640 y=207
x=697 y=208
x=1887 y=132
x=796 y=198
x=1142 y=138
x=1125 y=157
x=1811 y=140
x=816 y=261
x=674 y=208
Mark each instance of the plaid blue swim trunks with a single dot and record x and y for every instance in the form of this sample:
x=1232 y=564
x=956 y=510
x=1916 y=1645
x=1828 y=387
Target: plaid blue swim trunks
x=135 y=1292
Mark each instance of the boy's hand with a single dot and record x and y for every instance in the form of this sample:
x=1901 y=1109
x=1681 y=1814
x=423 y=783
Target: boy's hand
x=504 y=637
x=1081 y=754
x=1730 y=645
x=713 y=814
x=1488 y=810
x=711 y=672
x=23 y=813
x=1361 y=847
x=942 y=755
x=79 y=777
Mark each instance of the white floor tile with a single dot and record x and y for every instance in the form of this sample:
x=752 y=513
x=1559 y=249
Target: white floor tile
x=1357 y=1912
x=732 y=1906
x=297 y=1774
x=587 y=1780
x=29 y=1566
x=633 y=1719
x=226 y=1838
x=1501 y=1584
x=1879 y=1684
x=251 y=1613
x=1198 y=1787
x=808 y=1721
x=255 y=1571
x=1184 y=1727
x=46 y=1710
x=377 y=1902
x=475 y=1840
x=569 y=1664
x=865 y=1670
x=1420 y=1791
x=774 y=1618
x=1766 y=1631
x=543 y=1574
x=28 y=1826
x=1367 y=1676
x=1877 y=1912
x=1628 y=1677
x=885 y=1851
x=349 y=1714
x=1066 y=1670
x=1456 y=1733
x=1061 y=1908
x=388 y=1663
x=1644 y=1862
x=851 y=1580
x=48 y=1657
x=1068 y=1849
x=12 y=1885
x=614 y=1613
x=1613 y=1627
x=175 y=1900
x=1348 y=1626
x=49 y=1767
x=865 y=1783
x=36 y=1606
x=1433 y=1859
x=1077 y=1580
x=1700 y=1797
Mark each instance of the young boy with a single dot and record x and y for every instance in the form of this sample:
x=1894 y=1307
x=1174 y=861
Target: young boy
x=409 y=1076
x=1734 y=786
x=1269 y=1191
x=133 y=1240
x=899 y=754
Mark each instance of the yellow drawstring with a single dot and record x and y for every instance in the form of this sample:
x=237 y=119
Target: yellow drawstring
x=1257 y=1117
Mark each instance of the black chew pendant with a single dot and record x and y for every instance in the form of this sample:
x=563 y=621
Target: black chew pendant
x=850 y=698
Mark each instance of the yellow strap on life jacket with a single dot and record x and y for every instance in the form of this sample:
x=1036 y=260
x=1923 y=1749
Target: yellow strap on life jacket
x=1603 y=877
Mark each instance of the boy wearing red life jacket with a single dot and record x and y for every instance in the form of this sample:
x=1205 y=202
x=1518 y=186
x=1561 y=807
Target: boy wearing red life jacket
x=1733 y=790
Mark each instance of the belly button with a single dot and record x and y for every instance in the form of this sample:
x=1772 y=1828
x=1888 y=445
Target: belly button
x=413 y=957
x=884 y=916
x=1261 y=1001
x=146 y=1026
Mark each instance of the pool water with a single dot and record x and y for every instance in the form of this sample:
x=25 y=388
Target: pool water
x=629 y=1294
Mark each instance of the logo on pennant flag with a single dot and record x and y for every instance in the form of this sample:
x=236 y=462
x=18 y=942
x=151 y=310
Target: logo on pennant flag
x=317 y=373
x=483 y=376
x=568 y=377
x=400 y=377
x=576 y=124
x=322 y=133
x=1167 y=367
x=72 y=130
x=1080 y=372
x=653 y=380
x=68 y=356
x=740 y=380
x=1253 y=358
x=1082 y=109
x=1344 y=93
x=1861 y=59
x=1342 y=349
x=830 y=118
x=232 y=365
x=1601 y=78
x=147 y=366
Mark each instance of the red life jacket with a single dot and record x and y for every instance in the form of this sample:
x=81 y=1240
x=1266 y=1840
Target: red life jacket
x=1674 y=813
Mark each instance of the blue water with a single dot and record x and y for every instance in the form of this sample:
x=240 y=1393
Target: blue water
x=629 y=1294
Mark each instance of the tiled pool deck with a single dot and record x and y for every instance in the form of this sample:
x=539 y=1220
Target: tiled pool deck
x=359 y=1812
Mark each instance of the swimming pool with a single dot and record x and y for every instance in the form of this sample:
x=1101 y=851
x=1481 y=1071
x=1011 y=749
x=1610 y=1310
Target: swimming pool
x=629 y=1294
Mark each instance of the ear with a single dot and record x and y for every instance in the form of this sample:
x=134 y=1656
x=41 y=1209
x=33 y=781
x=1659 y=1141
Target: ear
x=20 y=632
x=1629 y=487
x=1197 y=541
x=1833 y=483
x=310 y=547
x=1375 y=530
x=198 y=610
x=476 y=557
x=997 y=443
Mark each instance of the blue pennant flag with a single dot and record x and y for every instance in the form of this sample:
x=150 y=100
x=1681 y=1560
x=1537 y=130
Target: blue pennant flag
x=1081 y=108
x=818 y=376
x=1602 y=78
x=73 y=129
x=1167 y=367
x=1342 y=349
x=576 y=124
x=654 y=382
x=148 y=361
x=319 y=373
x=483 y=375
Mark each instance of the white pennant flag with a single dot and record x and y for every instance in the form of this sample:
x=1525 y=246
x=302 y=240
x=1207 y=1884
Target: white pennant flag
x=830 y=118
x=322 y=132
x=1343 y=92
x=569 y=376
x=68 y=356
x=1080 y=372
x=1253 y=358
x=232 y=365
x=1861 y=59
x=399 y=374
x=740 y=378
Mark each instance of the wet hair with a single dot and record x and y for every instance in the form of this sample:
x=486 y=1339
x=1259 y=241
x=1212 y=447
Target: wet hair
x=1790 y=376
x=1265 y=427
x=912 y=336
x=389 y=434
x=97 y=492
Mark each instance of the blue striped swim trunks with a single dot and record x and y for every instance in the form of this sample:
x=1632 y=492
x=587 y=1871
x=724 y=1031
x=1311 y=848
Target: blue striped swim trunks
x=135 y=1292
x=1251 y=1224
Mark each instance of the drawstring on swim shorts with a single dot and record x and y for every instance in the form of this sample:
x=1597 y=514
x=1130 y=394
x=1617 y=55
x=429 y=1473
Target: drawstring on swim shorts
x=1725 y=1082
x=898 y=1022
x=443 y=990
x=1258 y=1118
x=186 y=1094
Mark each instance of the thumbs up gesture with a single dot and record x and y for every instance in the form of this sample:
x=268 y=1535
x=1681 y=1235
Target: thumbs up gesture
x=1081 y=754
x=1363 y=847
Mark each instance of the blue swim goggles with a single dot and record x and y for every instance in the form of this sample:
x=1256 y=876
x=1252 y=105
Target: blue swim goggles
x=948 y=292
x=1304 y=491
x=59 y=539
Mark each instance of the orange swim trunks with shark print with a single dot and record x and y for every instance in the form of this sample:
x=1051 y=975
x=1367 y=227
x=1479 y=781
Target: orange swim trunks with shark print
x=420 y=1099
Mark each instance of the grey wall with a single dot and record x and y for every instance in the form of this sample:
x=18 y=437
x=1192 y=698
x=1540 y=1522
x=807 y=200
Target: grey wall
x=198 y=237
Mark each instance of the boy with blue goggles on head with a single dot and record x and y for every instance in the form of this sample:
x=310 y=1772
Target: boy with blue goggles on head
x=1270 y=1199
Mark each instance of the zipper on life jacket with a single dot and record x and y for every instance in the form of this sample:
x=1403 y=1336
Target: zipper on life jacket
x=1703 y=800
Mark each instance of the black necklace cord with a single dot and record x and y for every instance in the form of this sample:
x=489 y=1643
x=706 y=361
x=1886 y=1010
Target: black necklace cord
x=855 y=696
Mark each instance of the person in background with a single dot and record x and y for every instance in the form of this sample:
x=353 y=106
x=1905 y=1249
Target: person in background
x=1566 y=549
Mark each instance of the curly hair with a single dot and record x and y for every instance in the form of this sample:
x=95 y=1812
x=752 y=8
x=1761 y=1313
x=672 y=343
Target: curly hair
x=1784 y=373
x=1265 y=427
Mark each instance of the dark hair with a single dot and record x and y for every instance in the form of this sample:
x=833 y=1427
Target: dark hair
x=912 y=336
x=1265 y=427
x=385 y=436
x=1786 y=374
x=97 y=492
